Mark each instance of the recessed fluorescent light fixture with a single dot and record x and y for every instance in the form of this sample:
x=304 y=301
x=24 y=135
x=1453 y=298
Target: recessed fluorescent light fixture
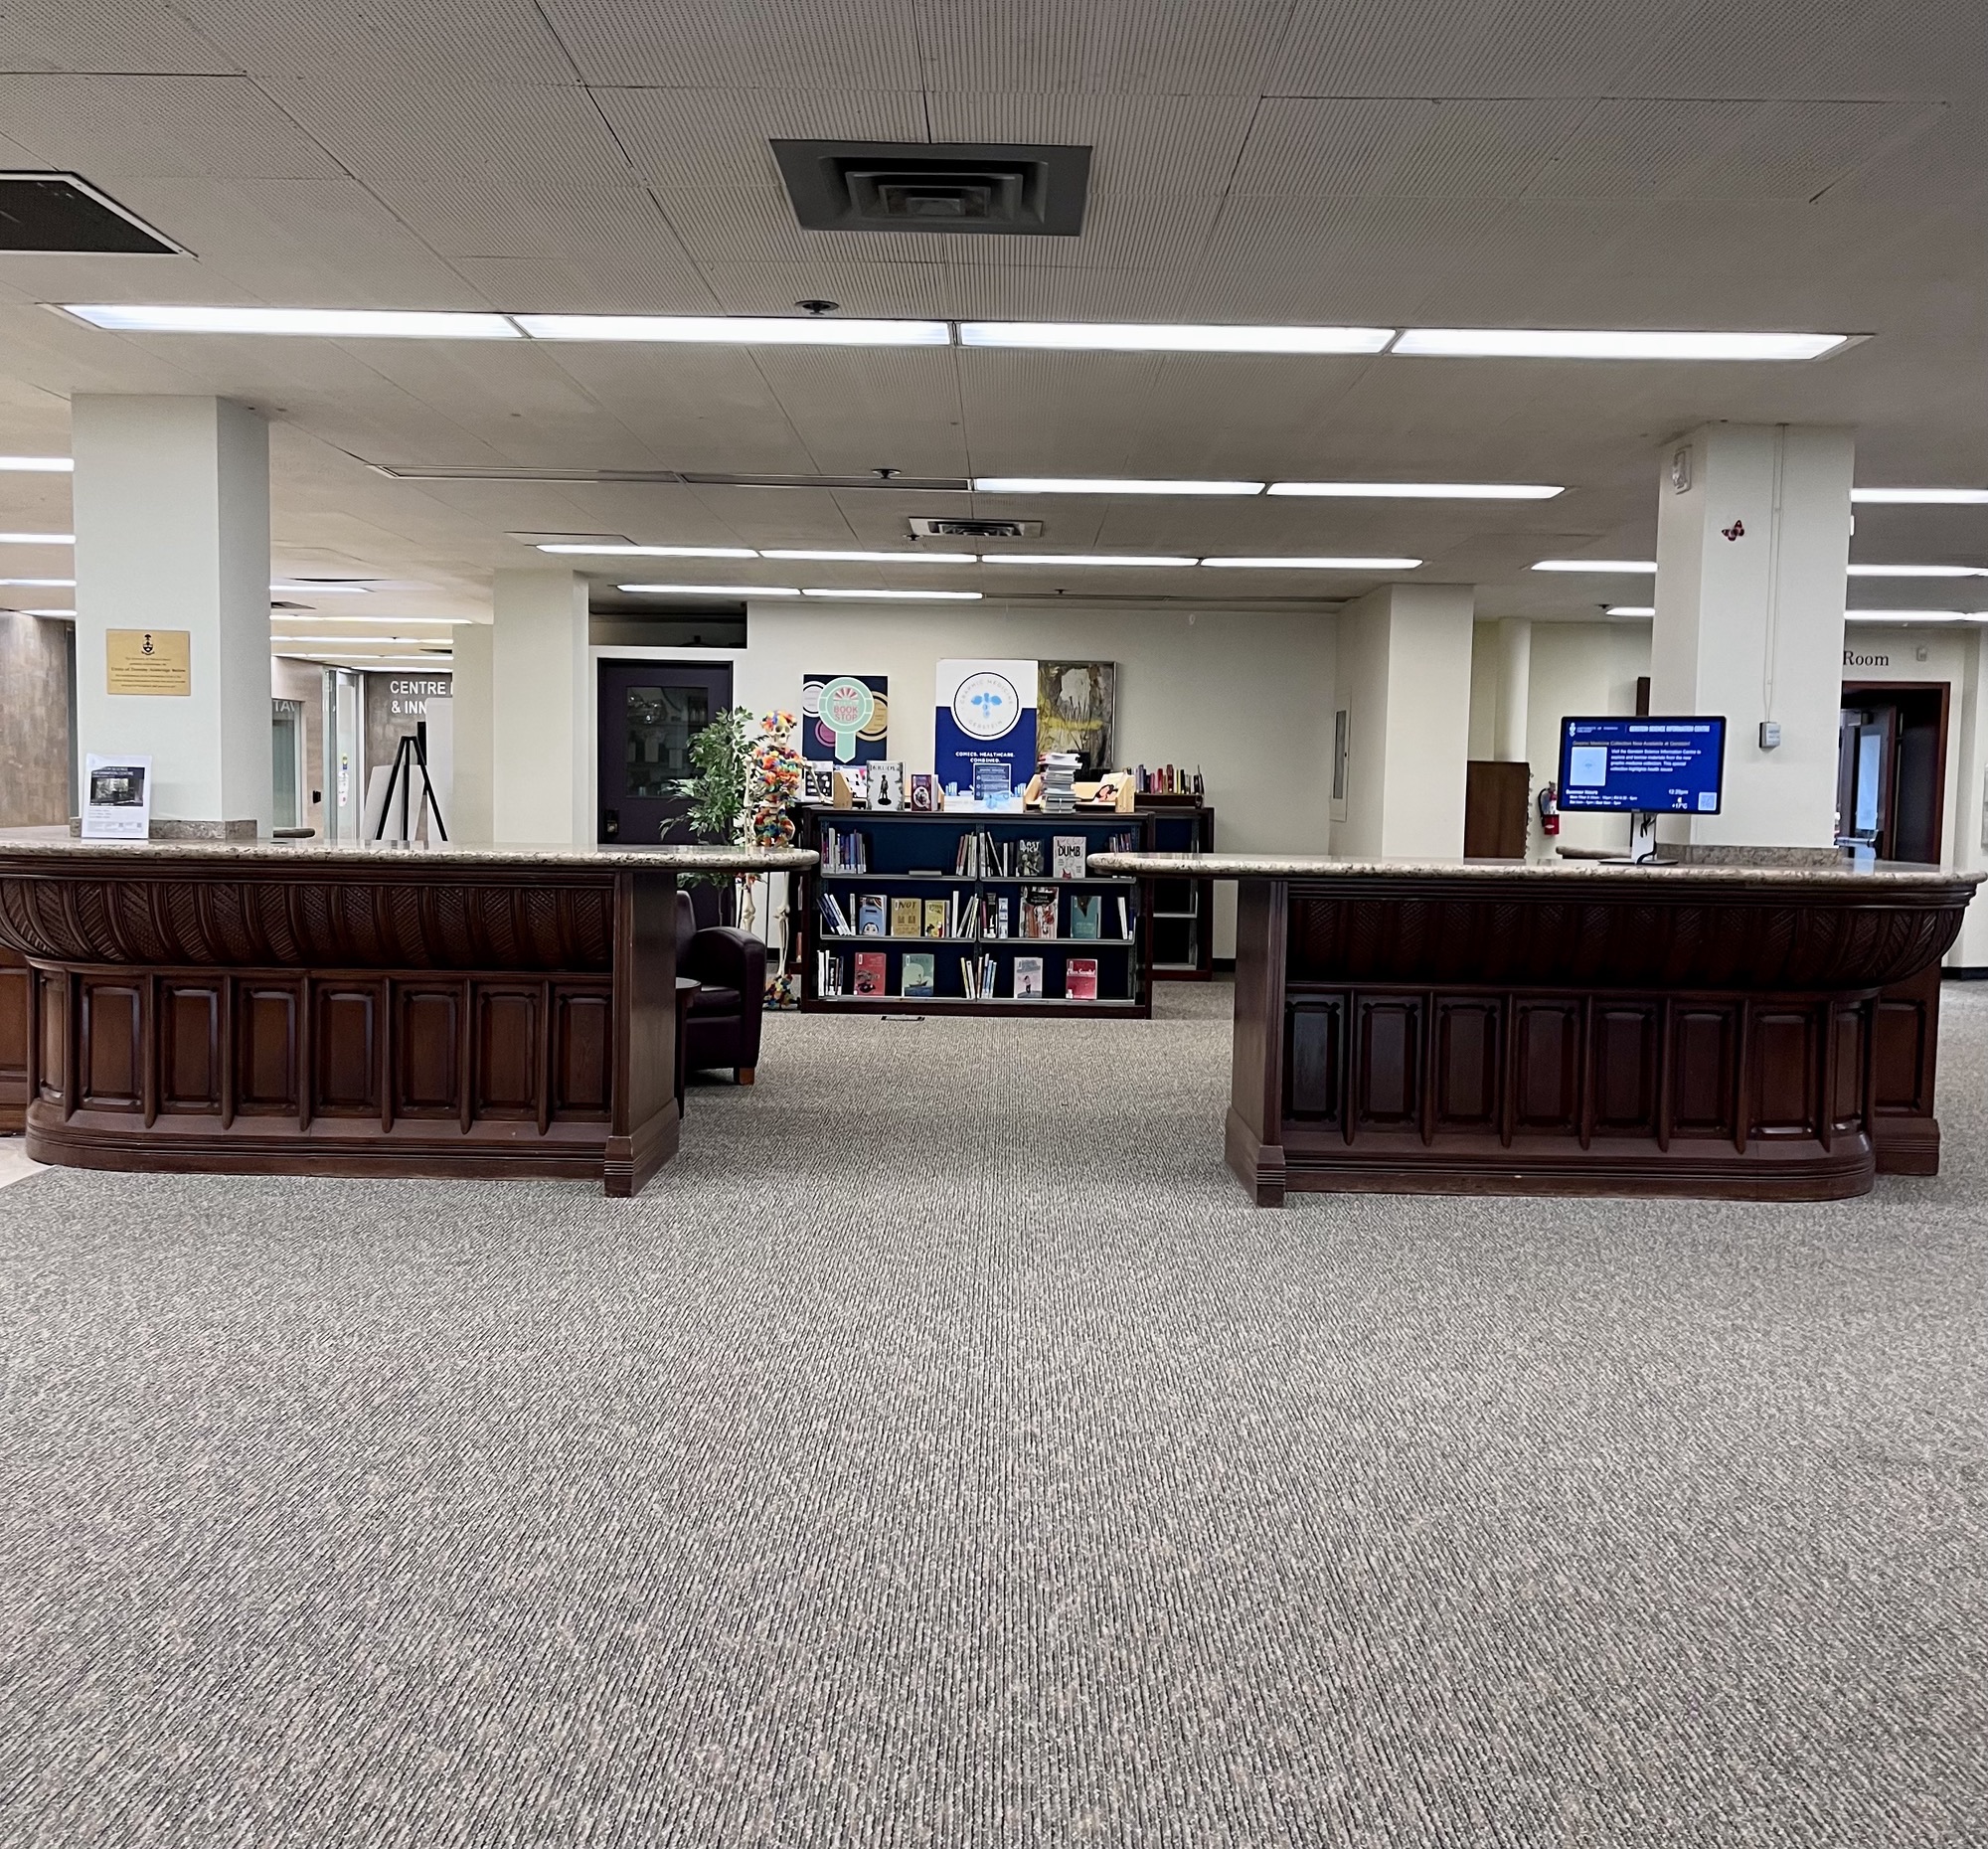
x=1083 y=558
x=365 y=641
x=38 y=466
x=63 y=614
x=1916 y=570
x=1898 y=497
x=325 y=323
x=648 y=552
x=1420 y=490
x=1916 y=615
x=1316 y=564
x=1106 y=485
x=332 y=589
x=874 y=558
x=1633 y=609
x=1551 y=343
x=41 y=583
x=1627 y=566
x=291 y=618
x=37 y=539
x=714 y=590
x=1171 y=337
x=740 y=330
x=922 y=597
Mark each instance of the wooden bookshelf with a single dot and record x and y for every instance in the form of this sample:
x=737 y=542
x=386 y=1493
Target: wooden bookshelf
x=1182 y=910
x=910 y=854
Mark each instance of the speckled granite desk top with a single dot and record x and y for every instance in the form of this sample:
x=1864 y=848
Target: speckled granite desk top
x=42 y=847
x=1326 y=868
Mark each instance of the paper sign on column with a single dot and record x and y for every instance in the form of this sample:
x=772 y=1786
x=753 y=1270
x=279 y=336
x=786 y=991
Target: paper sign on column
x=116 y=798
x=148 y=661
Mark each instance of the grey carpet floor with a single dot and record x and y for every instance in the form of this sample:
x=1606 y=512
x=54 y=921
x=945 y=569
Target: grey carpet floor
x=942 y=1453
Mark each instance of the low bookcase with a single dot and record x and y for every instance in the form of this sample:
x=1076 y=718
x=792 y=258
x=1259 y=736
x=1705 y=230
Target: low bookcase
x=914 y=854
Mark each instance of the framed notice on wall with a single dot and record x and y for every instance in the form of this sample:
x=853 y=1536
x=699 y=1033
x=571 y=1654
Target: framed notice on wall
x=148 y=661
x=116 y=798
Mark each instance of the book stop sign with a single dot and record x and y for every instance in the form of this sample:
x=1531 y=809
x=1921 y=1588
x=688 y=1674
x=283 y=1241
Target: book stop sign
x=847 y=706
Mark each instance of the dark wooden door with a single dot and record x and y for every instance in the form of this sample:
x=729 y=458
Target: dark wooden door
x=651 y=710
x=1890 y=780
x=1495 y=813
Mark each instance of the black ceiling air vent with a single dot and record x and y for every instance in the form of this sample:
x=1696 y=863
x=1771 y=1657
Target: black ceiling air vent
x=48 y=214
x=977 y=529
x=937 y=185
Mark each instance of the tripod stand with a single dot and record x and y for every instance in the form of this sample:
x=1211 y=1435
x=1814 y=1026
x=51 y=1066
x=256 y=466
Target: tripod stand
x=411 y=753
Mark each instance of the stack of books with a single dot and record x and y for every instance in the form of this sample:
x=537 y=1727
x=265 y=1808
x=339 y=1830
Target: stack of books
x=844 y=852
x=1059 y=774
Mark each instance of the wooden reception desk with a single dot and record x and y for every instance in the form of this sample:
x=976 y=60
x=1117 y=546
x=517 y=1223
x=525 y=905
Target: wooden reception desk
x=1588 y=1027
x=303 y=1009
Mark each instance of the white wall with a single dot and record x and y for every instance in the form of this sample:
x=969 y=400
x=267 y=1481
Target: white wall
x=542 y=688
x=1247 y=698
x=1579 y=669
x=471 y=810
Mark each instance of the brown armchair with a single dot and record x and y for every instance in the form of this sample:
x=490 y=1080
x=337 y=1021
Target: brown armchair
x=723 y=1024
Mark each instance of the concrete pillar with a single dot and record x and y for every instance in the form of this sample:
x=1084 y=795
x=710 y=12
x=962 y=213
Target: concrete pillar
x=1752 y=537
x=470 y=794
x=542 y=784
x=172 y=533
x=1404 y=681
x=1514 y=685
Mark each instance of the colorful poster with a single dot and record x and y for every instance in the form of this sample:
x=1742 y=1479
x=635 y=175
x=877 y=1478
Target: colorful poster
x=1074 y=711
x=845 y=717
x=985 y=715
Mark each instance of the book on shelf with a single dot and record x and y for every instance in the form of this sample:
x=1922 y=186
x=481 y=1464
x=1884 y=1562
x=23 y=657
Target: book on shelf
x=843 y=851
x=936 y=918
x=1086 y=915
x=907 y=919
x=828 y=973
x=869 y=972
x=871 y=914
x=1029 y=859
x=833 y=915
x=1080 y=981
x=1038 y=911
x=916 y=977
x=922 y=792
x=1028 y=976
x=887 y=787
x=1124 y=920
x=1070 y=852
x=1001 y=916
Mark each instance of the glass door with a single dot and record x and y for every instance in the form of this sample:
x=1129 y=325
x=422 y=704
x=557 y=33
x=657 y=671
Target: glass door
x=286 y=763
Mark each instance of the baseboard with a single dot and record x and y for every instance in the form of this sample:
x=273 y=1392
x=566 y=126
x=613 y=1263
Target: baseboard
x=1222 y=966
x=1965 y=972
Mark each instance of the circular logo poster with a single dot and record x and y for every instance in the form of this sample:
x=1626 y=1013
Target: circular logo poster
x=985 y=705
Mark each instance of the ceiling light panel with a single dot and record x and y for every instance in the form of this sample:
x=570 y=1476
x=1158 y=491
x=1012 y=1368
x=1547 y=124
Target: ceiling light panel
x=1633 y=609
x=292 y=618
x=1315 y=565
x=1420 y=490
x=1163 y=337
x=323 y=323
x=37 y=539
x=41 y=583
x=1104 y=484
x=1916 y=615
x=921 y=596
x=874 y=558
x=1905 y=497
x=1624 y=567
x=38 y=465
x=713 y=591
x=738 y=330
x=1542 y=343
x=584 y=549
x=1133 y=559
x=1916 y=570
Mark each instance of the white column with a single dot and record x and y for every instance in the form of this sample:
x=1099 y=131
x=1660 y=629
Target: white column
x=1514 y=685
x=172 y=533
x=1750 y=556
x=1404 y=679
x=470 y=762
x=541 y=786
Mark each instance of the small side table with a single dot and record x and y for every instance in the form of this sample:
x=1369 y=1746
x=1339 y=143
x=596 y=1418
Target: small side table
x=687 y=989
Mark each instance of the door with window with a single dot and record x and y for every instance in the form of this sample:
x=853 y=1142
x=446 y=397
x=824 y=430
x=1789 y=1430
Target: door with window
x=1890 y=770
x=651 y=710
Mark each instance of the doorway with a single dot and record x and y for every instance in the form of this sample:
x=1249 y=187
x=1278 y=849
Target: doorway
x=1890 y=770
x=651 y=710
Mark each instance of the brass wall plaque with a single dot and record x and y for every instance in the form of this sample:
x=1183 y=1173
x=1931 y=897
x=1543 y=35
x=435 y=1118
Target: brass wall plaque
x=148 y=661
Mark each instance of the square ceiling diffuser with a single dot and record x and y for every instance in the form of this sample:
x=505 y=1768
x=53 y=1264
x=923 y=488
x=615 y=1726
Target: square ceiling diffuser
x=1013 y=191
x=51 y=214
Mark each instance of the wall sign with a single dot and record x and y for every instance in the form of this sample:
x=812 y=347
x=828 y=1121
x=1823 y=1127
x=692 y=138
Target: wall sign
x=148 y=661
x=985 y=713
x=845 y=717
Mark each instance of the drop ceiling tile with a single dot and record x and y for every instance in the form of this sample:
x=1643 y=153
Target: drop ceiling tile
x=412 y=134
x=507 y=41
x=1013 y=46
x=1407 y=148
x=693 y=140
x=135 y=36
x=911 y=291
x=1153 y=145
x=158 y=127
x=772 y=44
x=611 y=281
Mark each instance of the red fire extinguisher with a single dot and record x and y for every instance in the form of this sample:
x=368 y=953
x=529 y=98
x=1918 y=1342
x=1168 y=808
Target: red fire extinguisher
x=1550 y=809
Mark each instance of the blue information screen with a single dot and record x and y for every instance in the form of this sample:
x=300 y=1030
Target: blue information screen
x=1658 y=765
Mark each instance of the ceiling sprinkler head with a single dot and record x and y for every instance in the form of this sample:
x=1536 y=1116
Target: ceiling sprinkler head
x=816 y=306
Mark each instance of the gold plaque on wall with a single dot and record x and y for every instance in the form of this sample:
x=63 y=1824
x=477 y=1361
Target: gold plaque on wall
x=148 y=661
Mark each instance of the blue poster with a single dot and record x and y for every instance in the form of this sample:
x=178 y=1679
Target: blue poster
x=985 y=715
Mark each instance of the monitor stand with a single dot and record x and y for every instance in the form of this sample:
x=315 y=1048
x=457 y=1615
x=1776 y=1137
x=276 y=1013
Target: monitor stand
x=1642 y=836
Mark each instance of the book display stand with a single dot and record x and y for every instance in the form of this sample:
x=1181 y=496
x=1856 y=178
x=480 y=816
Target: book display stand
x=971 y=904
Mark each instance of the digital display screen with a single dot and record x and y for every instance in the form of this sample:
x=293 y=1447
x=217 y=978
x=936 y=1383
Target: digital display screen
x=1656 y=766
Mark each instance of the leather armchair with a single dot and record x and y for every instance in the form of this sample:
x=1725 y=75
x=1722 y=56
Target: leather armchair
x=723 y=1025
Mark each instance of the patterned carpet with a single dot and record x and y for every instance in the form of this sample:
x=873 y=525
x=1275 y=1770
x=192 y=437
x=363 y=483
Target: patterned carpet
x=942 y=1453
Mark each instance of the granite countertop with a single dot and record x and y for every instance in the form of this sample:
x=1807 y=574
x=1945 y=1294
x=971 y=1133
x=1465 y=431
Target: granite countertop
x=22 y=847
x=1520 y=872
